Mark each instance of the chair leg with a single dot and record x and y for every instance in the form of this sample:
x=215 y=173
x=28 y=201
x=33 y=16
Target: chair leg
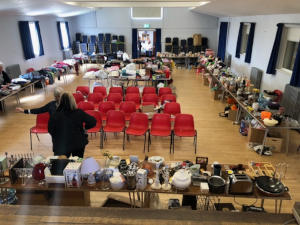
x=195 y=140
x=30 y=140
x=149 y=140
x=101 y=139
x=124 y=140
x=37 y=137
x=145 y=141
x=173 y=143
x=171 y=140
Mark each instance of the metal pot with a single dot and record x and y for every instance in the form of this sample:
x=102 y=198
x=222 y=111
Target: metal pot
x=270 y=186
x=216 y=184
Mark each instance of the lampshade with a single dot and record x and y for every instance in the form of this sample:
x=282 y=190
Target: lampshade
x=89 y=165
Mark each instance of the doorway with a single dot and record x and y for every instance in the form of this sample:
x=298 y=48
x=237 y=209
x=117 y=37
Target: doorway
x=146 y=42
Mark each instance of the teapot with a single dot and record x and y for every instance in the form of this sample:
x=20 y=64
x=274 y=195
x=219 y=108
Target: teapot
x=182 y=179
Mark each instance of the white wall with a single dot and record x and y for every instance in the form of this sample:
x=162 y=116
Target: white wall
x=264 y=37
x=11 y=51
x=176 y=22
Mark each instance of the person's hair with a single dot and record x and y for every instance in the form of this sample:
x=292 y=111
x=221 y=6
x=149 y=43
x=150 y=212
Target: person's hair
x=57 y=93
x=67 y=103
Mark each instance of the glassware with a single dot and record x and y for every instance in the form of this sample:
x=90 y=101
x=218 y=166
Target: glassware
x=105 y=185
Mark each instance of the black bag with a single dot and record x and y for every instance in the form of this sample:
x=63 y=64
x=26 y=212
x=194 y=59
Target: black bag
x=225 y=113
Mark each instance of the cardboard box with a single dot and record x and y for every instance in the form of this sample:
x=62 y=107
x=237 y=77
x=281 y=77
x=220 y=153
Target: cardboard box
x=232 y=115
x=256 y=135
x=275 y=143
x=72 y=174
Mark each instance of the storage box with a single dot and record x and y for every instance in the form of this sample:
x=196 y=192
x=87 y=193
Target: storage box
x=275 y=143
x=232 y=115
x=72 y=174
x=256 y=135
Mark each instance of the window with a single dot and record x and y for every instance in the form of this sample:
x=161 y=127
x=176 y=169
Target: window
x=245 y=36
x=149 y=13
x=288 y=48
x=34 y=38
x=64 y=35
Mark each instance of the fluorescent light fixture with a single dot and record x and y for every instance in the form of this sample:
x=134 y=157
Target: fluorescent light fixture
x=203 y=3
x=147 y=18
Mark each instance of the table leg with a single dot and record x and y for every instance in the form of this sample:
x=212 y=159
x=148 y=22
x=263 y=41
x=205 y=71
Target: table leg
x=262 y=203
x=87 y=198
x=3 y=105
x=280 y=205
x=133 y=199
x=129 y=194
x=275 y=206
x=287 y=139
x=238 y=115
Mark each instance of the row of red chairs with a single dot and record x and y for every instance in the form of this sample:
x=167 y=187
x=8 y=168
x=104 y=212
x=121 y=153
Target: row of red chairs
x=127 y=107
x=138 y=126
x=148 y=99
x=85 y=90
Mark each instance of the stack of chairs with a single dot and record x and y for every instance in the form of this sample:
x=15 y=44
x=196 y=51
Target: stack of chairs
x=168 y=45
x=175 y=45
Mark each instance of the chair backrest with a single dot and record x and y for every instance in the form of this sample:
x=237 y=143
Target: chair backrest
x=96 y=98
x=104 y=107
x=115 y=118
x=115 y=97
x=150 y=99
x=139 y=121
x=168 y=97
x=149 y=90
x=161 y=122
x=116 y=90
x=85 y=106
x=100 y=89
x=92 y=48
x=78 y=97
x=42 y=120
x=83 y=48
x=133 y=97
x=93 y=39
x=132 y=90
x=172 y=108
x=164 y=90
x=85 y=90
x=97 y=116
x=184 y=122
x=128 y=107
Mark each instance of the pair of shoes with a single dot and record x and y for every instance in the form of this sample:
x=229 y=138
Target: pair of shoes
x=262 y=150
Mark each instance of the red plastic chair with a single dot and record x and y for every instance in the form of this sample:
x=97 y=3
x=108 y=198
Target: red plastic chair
x=138 y=126
x=161 y=126
x=150 y=99
x=116 y=90
x=115 y=123
x=100 y=89
x=149 y=90
x=116 y=98
x=164 y=91
x=86 y=106
x=96 y=98
x=184 y=127
x=128 y=108
x=85 y=90
x=78 y=97
x=135 y=98
x=172 y=108
x=104 y=107
x=41 y=126
x=97 y=116
x=130 y=90
x=168 y=97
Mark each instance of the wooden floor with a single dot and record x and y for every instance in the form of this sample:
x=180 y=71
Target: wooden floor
x=218 y=138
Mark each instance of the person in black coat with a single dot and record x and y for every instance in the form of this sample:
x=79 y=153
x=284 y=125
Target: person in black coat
x=49 y=107
x=4 y=78
x=66 y=128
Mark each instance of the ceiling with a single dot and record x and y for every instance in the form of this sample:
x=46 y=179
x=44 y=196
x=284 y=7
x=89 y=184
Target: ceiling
x=220 y=8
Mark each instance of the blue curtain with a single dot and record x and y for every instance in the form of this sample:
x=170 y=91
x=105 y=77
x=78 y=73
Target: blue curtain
x=158 y=40
x=274 y=54
x=134 y=43
x=37 y=26
x=60 y=36
x=250 y=43
x=222 y=40
x=239 y=41
x=68 y=32
x=295 y=80
x=26 y=39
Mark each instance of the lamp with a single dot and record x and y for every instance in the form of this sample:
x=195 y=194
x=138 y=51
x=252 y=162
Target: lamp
x=88 y=167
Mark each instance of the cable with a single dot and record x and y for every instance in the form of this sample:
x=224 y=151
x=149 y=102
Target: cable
x=242 y=205
x=289 y=221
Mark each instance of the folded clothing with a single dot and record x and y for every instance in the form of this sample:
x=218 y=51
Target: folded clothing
x=20 y=81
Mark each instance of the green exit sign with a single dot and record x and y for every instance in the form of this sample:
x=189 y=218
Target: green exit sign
x=146 y=25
